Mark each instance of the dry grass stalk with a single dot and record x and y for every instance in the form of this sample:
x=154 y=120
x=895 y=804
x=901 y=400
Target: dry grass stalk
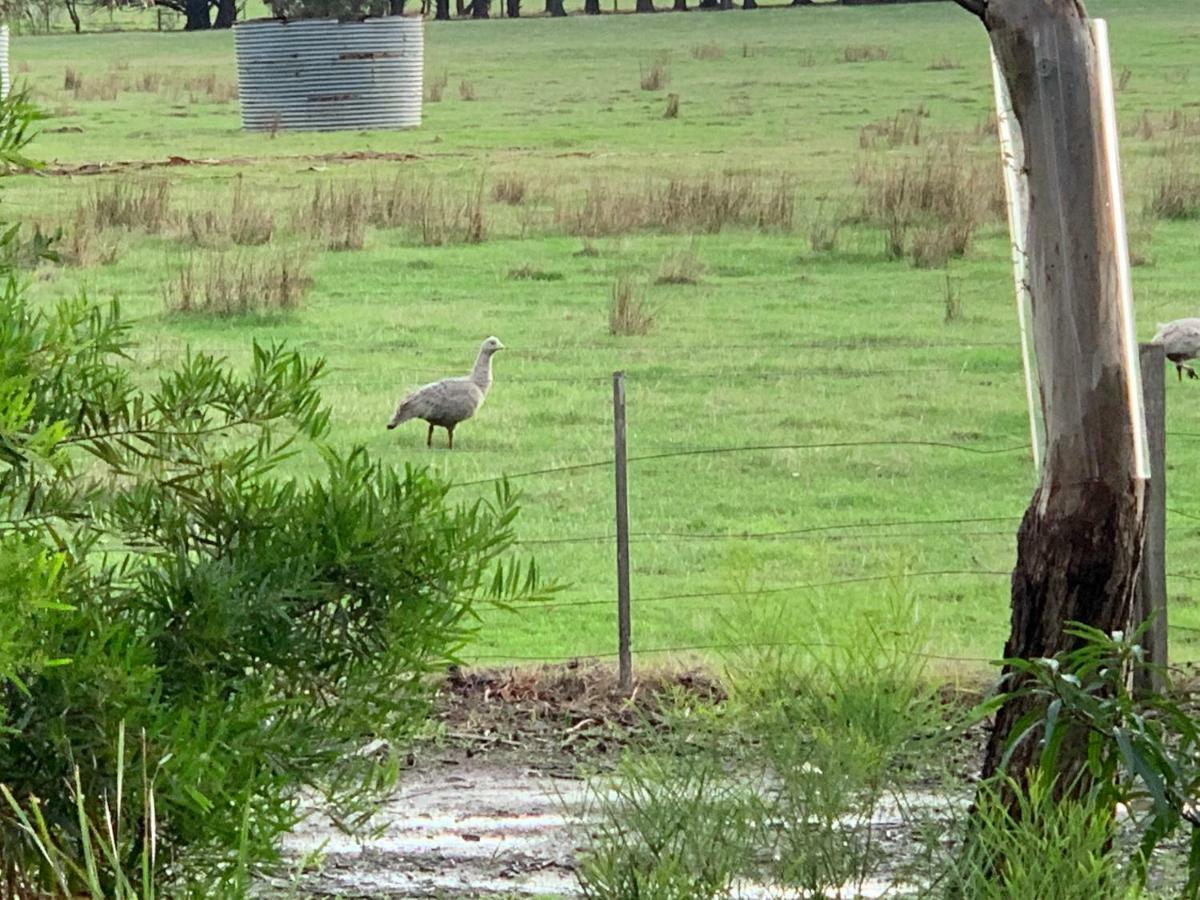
x=944 y=63
x=236 y=284
x=930 y=206
x=901 y=130
x=865 y=53
x=823 y=231
x=1175 y=192
x=655 y=78
x=466 y=90
x=699 y=205
x=437 y=87
x=143 y=205
x=72 y=80
x=510 y=189
x=246 y=222
x=711 y=51
x=681 y=267
x=337 y=215
x=437 y=215
x=951 y=302
x=628 y=312
x=84 y=244
x=672 y=110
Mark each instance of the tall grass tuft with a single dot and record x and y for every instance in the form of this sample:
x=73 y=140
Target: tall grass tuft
x=930 y=206
x=83 y=244
x=90 y=851
x=226 y=284
x=689 y=205
x=655 y=78
x=680 y=267
x=510 y=189
x=628 y=312
x=1175 y=192
x=337 y=215
x=951 y=302
x=141 y=205
x=246 y=222
x=1053 y=847
x=864 y=53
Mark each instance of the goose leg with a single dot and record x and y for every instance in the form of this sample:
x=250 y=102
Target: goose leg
x=1179 y=371
x=429 y=436
x=1191 y=372
x=450 y=430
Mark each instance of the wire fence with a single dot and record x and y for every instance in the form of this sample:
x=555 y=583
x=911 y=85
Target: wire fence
x=590 y=418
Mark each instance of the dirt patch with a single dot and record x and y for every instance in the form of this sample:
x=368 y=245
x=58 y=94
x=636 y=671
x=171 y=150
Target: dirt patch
x=560 y=714
x=138 y=165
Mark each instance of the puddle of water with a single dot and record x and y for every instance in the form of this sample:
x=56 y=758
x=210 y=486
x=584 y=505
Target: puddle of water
x=484 y=829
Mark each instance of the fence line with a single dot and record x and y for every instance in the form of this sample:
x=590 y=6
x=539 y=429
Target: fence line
x=772 y=535
x=825 y=645
x=784 y=589
x=748 y=448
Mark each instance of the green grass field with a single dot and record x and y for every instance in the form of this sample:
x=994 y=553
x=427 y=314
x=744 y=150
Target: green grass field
x=776 y=343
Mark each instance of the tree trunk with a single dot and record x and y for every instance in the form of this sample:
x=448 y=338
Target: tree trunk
x=197 y=15
x=73 y=12
x=644 y=6
x=481 y=9
x=555 y=8
x=802 y=2
x=749 y=4
x=513 y=8
x=1079 y=544
x=442 y=10
x=680 y=6
x=460 y=8
x=227 y=13
x=591 y=7
x=396 y=7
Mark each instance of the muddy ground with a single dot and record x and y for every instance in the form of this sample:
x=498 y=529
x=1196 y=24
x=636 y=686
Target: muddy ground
x=492 y=808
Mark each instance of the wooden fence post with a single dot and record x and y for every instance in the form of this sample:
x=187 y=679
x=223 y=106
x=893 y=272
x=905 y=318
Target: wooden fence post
x=1150 y=601
x=624 y=659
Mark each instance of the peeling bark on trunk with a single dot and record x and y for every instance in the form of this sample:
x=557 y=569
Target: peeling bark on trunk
x=1079 y=545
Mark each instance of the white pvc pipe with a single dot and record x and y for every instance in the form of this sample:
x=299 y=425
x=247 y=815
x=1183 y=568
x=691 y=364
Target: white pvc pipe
x=1133 y=372
x=1016 y=190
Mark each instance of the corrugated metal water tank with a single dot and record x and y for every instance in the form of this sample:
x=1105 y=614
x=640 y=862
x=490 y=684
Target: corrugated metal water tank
x=5 y=80
x=329 y=75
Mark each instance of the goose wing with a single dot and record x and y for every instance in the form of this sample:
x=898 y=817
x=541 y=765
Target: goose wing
x=1179 y=338
x=443 y=402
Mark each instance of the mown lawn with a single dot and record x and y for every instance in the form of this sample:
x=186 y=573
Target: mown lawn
x=775 y=342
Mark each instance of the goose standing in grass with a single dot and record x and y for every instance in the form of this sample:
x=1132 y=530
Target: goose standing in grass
x=1180 y=341
x=447 y=402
